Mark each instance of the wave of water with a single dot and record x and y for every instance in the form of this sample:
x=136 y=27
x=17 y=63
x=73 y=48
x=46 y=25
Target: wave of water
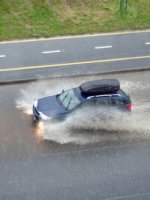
x=90 y=125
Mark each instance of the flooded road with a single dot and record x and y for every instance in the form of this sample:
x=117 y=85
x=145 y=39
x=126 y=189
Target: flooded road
x=82 y=158
x=91 y=124
x=86 y=127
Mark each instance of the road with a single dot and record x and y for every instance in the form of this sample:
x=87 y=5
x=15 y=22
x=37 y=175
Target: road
x=74 y=55
x=108 y=166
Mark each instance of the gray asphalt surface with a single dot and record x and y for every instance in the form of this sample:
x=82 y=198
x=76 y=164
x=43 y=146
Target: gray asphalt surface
x=114 y=168
x=100 y=52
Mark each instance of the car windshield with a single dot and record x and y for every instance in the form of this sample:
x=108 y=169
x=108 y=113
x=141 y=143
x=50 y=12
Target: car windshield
x=69 y=99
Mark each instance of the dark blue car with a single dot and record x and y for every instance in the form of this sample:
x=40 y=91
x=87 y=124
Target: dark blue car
x=105 y=92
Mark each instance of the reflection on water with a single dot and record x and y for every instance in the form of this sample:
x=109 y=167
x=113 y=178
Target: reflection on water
x=39 y=131
x=90 y=125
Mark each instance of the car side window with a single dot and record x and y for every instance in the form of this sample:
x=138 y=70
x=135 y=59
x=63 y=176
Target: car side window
x=89 y=102
x=118 y=102
x=104 y=101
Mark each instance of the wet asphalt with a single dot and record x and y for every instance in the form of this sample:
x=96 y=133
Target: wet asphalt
x=116 y=167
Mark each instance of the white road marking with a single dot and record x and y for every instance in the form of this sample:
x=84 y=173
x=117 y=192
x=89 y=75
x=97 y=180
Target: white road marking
x=2 y=56
x=75 y=36
x=48 y=52
x=147 y=43
x=103 y=47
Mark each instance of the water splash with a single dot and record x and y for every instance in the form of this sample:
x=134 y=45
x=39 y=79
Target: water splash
x=93 y=125
x=90 y=125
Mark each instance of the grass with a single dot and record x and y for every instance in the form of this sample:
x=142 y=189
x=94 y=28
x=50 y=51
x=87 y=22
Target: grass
x=45 y=18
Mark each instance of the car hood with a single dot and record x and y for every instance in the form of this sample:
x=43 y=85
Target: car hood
x=51 y=107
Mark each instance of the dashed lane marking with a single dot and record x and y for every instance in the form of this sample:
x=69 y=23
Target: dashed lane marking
x=2 y=56
x=103 y=47
x=50 y=52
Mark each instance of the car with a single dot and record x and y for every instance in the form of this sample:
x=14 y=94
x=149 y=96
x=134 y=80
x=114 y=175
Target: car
x=97 y=93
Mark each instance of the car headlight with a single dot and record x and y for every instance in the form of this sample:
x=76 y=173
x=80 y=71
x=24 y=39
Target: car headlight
x=35 y=104
x=44 y=116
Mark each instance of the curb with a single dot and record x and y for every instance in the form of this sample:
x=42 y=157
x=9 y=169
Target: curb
x=24 y=81
x=72 y=36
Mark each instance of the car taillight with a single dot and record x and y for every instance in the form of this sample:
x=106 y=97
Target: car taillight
x=129 y=106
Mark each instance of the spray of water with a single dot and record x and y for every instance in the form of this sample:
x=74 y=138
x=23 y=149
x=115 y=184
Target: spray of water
x=93 y=125
x=90 y=124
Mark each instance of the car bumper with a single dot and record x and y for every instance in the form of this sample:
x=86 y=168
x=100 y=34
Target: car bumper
x=36 y=116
